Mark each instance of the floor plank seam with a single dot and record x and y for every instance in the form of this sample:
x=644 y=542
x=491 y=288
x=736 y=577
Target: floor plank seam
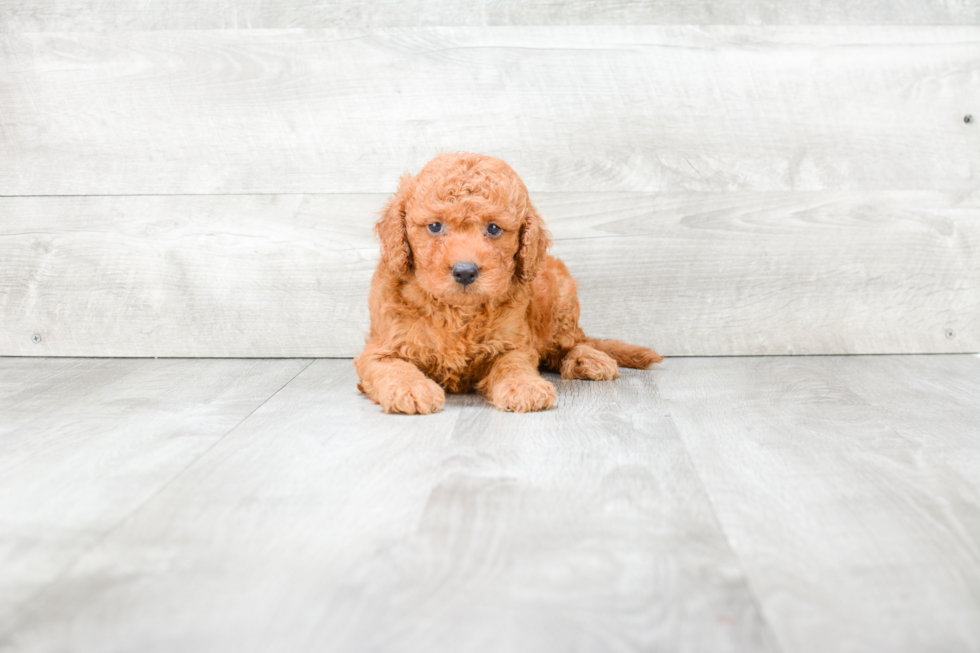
x=772 y=641
x=25 y=608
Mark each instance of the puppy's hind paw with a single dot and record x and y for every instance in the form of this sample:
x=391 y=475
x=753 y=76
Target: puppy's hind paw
x=585 y=362
x=523 y=394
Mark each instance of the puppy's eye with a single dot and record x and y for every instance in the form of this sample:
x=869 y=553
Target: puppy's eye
x=435 y=227
x=493 y=229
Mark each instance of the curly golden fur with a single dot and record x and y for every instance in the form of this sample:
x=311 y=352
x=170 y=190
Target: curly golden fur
x=466 y=297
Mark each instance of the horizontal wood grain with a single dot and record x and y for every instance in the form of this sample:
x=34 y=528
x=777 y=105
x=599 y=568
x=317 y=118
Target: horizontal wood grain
x=780 y=273
x=187 y=276
x=101 y=15
x=686 y=273
x=572 y=108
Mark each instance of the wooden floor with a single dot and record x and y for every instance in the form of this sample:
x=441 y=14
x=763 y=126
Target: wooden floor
x=712 y=504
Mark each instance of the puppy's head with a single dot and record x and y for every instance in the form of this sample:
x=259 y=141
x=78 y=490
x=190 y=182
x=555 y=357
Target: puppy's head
x=463 y=229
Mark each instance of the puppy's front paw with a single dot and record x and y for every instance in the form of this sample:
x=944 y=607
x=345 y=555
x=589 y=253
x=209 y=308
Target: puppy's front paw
x=523 y=394
x=585 y=362
x=418 y=396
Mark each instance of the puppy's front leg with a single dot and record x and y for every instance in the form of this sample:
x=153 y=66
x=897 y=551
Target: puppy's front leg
x=397 y=385
x=514 y=383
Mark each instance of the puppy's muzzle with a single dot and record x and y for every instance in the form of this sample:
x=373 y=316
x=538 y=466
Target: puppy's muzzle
x=465 y=273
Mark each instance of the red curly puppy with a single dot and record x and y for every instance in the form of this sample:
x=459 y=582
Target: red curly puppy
x=466 y=297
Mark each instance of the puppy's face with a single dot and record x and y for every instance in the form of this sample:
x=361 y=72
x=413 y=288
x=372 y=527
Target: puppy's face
x=464 y=229
x=464 y=245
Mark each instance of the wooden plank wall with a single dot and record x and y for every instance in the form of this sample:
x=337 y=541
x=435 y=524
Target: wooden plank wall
x=730 y=178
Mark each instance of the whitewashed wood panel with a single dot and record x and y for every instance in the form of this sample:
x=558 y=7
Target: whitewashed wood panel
x=855 y=531
x=777 y=273
x=686 y=273
x=601 y=108
x=322 y=524
x=102 y=15
x=186 y=276
x=85 y=442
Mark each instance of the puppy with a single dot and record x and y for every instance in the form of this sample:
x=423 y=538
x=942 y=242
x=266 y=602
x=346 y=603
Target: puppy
x=466 y=297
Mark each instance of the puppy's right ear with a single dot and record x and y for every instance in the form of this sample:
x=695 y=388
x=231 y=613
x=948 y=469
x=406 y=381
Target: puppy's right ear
x=396 y=254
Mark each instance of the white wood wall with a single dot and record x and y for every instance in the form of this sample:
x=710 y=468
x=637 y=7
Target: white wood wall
x=200 y=178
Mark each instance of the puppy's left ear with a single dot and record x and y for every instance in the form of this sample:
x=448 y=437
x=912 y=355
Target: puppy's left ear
x=535 y=241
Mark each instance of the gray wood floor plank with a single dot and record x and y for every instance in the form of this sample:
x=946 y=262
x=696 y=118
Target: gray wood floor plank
x=790 y=504
x=105 y=15
x=591 y=108
x=581 y=529
x=934 y=404
x=32 y=388
x=322 y=524
x=855 y=531
x=685 y=273
x=85 y=442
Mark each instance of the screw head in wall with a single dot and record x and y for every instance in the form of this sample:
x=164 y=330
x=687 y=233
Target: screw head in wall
x=36 y=338
x=950 y=334
x=968 y=118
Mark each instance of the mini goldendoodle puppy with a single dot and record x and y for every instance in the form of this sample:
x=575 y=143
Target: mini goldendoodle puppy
x=466 y=297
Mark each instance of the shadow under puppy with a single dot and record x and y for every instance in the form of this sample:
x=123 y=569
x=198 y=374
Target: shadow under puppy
x=466 y=297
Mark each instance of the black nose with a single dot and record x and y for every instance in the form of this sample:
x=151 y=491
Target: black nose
x=465 y=273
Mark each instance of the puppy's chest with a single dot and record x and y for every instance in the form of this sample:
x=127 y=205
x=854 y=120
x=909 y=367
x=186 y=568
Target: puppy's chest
x=455 y=355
